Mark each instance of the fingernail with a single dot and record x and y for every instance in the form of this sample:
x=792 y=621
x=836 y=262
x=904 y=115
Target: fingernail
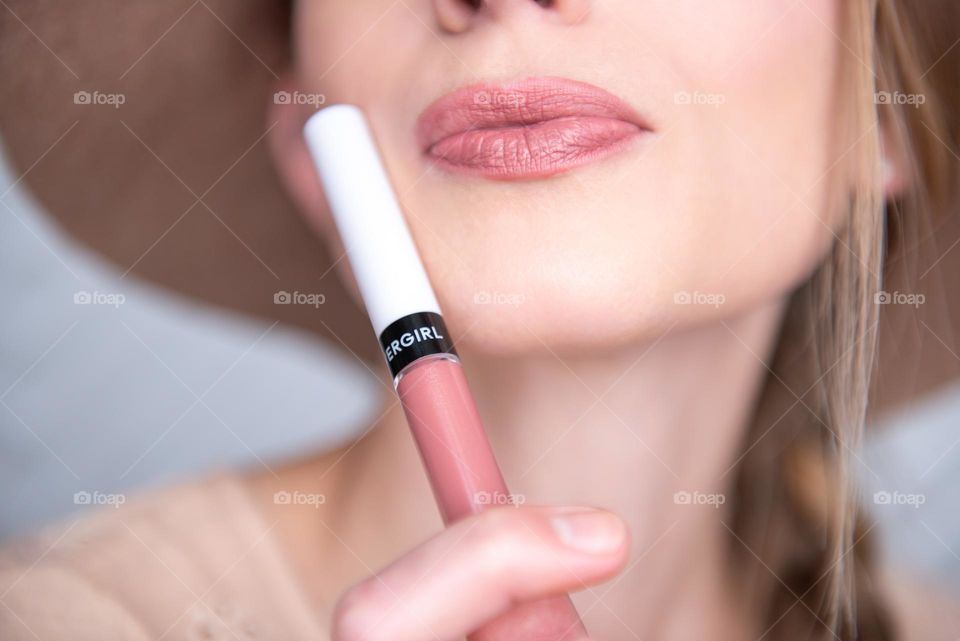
x=590 y=531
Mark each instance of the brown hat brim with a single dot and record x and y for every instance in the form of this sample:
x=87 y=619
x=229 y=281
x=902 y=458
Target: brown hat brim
x=175 y=184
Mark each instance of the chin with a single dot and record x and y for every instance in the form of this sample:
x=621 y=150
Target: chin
x=549 y=313
x=592 y=307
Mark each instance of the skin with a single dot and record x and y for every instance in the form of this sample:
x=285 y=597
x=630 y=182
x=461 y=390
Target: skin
x=597 y=387
x=627 y=234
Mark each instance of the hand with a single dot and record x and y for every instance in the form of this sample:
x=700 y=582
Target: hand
x=479 y=568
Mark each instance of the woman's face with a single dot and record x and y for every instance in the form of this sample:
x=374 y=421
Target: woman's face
x=604 y=226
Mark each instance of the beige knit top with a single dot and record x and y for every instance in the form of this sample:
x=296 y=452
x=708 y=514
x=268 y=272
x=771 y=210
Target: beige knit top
x=196 y=563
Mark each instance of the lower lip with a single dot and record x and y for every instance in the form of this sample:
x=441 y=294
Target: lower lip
x=535 y=150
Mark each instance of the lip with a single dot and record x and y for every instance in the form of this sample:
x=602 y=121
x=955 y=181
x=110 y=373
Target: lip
x=532 y=128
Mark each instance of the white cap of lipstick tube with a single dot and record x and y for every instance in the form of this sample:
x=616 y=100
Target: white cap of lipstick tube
x=384 y=259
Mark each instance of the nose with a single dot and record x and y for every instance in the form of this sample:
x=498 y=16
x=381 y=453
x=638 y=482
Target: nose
x=456 y=16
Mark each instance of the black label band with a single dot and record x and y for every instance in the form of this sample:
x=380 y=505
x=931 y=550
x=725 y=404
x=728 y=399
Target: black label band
x=412 y=337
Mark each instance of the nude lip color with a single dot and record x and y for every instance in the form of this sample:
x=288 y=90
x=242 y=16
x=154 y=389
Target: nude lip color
x=525 y=129
x=418 y=349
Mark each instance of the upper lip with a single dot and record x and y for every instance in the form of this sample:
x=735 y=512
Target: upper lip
x=522 y=102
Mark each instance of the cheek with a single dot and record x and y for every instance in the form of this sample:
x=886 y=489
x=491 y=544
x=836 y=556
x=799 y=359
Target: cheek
x=357 y=52
x=729 y=210
x=762 y=141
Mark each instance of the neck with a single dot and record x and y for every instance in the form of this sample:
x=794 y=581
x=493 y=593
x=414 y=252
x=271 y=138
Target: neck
x=614 y=430
x=625 y=431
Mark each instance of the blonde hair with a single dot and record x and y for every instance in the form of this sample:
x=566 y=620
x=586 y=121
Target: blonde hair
x=797 y=518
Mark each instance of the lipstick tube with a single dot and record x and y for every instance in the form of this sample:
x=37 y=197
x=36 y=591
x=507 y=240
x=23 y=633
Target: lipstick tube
x=426 y=370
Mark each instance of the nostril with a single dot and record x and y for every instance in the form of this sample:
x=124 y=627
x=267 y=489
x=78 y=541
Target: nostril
x=476 y=4
x=457 y=16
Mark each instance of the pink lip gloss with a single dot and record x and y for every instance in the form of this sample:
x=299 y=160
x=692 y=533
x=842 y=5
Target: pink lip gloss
x=426 y=370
